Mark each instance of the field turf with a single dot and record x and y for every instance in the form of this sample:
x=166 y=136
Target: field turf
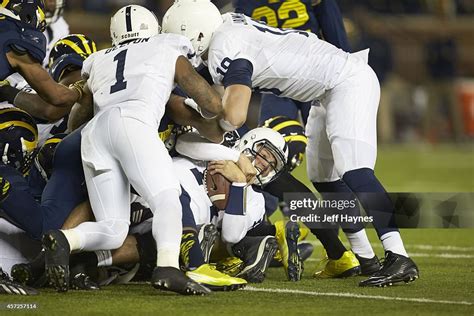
x=444 y=256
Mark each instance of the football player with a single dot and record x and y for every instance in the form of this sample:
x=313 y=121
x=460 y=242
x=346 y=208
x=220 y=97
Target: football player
x=243 y=54
x=322 y=17
x=22 y=22
x=119 y=145
x=18 y=140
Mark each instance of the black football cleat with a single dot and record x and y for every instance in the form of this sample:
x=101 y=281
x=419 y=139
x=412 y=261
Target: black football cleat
x=8 y=286
x=82 y=281
x=256 y=253
x=172 y=279
x=304 y=248
x=207 y=237
x=368 y=266
x=395 y=269
x=31 y=273
x=57 y=252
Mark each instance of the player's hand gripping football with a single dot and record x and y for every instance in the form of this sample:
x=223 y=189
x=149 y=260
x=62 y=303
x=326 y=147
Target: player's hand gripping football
x=228 y=169
x=247 y=168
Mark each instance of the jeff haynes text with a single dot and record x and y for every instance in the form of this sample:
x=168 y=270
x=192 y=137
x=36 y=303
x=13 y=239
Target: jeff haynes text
x=334 y=218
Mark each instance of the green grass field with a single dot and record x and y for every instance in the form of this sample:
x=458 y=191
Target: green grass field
x=444 y=256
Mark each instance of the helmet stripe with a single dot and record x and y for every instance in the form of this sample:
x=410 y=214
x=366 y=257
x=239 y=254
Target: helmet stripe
x=5 y=3
x=53 y=140
x=22 y=124
x=85 y=43
x=285 y=124
x=73 y=45
x=128 y=18
x=296 y=138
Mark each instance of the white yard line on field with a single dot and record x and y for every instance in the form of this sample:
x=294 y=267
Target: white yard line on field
x=415 y=246
x=358 y=296
x=427 y=255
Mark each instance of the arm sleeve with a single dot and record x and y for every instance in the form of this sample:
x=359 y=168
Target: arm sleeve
x=239 y=72
x=332 y=27
x=194 y=146
x=234 y=226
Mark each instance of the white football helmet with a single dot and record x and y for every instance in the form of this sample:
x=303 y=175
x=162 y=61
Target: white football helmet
x=132 y=22
x=195 y=19
x=257 y=140
x=53 y=16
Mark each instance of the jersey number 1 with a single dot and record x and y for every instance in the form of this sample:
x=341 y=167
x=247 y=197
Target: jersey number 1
x=121 y=84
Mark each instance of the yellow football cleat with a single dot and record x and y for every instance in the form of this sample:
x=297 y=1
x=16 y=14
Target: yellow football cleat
x=208 y=276
x=287 y=235
x=230 y=266
x=344 y=267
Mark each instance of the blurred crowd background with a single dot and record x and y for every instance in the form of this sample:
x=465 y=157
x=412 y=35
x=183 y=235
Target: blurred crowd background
x=421 y=50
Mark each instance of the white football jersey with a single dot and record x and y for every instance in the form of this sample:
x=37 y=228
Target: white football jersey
x=288 y=63
x=137 y=76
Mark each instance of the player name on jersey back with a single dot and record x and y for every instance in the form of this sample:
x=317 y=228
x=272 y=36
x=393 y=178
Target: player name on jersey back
x=137 y=76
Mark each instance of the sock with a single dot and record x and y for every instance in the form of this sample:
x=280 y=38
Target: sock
x=339 y=191
x=392 y=241
x=73 y=238
x=104 y=258
x=190 y=252
x=373 y=197
x=328 y=237
x=360 y=244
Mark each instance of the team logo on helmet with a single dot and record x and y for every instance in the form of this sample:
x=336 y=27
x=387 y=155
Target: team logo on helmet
x=18 y=138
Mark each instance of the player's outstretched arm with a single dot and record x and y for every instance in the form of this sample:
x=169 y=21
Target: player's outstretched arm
x=197 y=87
x=183 y=115
x=235 y=101
x=82 y=111
x=38 y=78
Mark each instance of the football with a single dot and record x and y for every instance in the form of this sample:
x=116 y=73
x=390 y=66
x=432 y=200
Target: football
x=217 y=187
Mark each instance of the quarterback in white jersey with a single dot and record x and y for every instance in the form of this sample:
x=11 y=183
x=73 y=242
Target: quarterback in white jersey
x=243 y=54
x=130 y=84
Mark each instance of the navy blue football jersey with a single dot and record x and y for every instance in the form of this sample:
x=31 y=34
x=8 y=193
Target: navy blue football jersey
x=321 y=17
x=21 y=38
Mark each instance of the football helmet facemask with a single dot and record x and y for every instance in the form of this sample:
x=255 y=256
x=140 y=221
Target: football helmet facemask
x=53 y=13
x=268 y=152
x=44 y=158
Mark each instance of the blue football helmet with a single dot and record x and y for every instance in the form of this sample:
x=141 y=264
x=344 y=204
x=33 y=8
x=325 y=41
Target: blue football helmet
x=44 y=158
x=293 y=132
x=69 y=53
x=30 y=12
x=18 y=139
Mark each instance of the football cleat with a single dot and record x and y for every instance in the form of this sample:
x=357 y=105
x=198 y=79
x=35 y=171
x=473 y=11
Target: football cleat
x=215 y=280
x=369 y=266
x=287 y=237
x=256 y=253
x=7 y=286
x=82 y=281
x=57 y=252
x=343 y=267
x=395 y=269
x=31 y=273
x=305 y=250
x=207 y=237
x=230 y=266
x=172 y=279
